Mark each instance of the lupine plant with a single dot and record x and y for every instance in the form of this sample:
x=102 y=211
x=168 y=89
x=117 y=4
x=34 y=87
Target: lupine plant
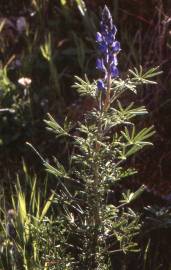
x=101 y=221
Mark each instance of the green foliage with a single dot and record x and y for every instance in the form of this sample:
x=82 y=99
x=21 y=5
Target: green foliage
x=84 y=87
x=32 y=238
x=143 y=78
x=5 y=84
x=102 y=143
x=53 y=126
x=43 y=51
x=15 y=108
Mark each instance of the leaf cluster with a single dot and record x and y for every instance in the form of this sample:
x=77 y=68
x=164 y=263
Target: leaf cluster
x=102 y=143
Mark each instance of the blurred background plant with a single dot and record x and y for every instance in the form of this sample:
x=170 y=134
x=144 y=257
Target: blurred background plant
x=49 y=42
x=32 y=234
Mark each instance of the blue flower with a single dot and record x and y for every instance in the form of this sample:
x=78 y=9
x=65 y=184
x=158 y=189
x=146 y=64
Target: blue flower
x=98 y=37
x=100 y=65
x=106 y=14
x=114 y=71
x=103 y=47
x=100 y=85
x=107 y=18
x=114 y=30
x=115 y=47
x=108 y=47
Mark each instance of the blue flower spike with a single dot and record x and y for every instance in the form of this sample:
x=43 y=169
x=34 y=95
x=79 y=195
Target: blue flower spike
x=109 y=48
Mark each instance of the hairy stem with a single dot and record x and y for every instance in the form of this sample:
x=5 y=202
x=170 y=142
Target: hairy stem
x=107 y=99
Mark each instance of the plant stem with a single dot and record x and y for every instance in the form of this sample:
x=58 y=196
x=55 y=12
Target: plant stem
x=107 y=99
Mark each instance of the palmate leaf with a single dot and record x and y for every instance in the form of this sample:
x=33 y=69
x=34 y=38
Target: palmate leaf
x=83 y=128
x=140 y=77
x=137 y=77
x=129 y=196
x=135 y=141
x=84 y=87
x=123 y=174
x=140 y=137
x=129 y=112
x=119 y=86
x=123 y=115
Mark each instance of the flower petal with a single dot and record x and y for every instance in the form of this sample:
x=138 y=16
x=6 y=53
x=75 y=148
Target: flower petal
x=114 y=71
x=100 y=65
x=98 y=37
x=100 y=85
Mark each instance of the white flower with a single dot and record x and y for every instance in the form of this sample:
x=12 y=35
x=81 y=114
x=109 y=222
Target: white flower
x=25 y=81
